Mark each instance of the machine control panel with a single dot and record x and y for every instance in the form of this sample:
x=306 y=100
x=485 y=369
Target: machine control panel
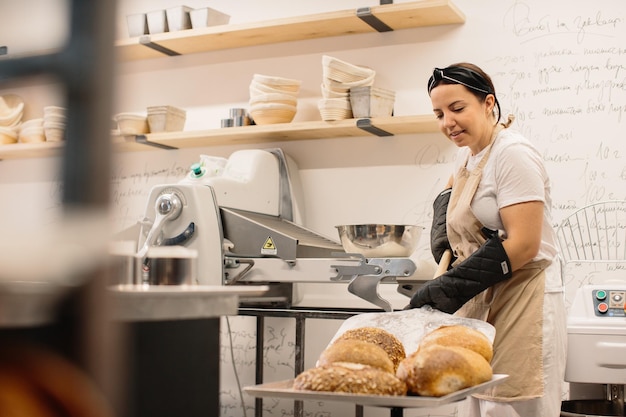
x=609 y=303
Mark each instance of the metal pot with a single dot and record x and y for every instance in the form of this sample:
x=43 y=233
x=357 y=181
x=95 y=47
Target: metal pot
x=171 y=265
x=380 y=240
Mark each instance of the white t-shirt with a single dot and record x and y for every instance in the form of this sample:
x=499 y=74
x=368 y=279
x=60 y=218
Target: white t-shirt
x=514 y=173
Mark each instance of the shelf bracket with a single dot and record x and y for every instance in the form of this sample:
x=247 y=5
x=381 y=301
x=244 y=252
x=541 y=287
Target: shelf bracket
x=366 y=124
x=142 y=139
x=366 y=15
x=386 y=2
x=4 y=50
x=146 y=41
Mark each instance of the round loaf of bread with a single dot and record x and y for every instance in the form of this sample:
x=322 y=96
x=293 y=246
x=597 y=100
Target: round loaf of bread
x=459 y=335
x=357 y=351
x=380 y=337
x=438 y=370
x=350 y=378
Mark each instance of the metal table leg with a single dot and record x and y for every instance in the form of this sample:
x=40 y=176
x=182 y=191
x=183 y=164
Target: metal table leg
x=397 y=412
x=260 y=325
x=298 y=406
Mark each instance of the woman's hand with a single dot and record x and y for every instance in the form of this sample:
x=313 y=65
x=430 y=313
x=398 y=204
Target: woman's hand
x=523 y=224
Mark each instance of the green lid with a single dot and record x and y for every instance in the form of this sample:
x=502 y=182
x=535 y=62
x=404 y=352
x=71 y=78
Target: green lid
x=197 y=170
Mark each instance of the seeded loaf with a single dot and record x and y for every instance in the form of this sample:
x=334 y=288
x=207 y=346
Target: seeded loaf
x=357 y=351
x=350 y=378
x=380 y=337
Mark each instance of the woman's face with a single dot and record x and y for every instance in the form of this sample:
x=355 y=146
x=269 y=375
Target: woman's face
x=462 y=117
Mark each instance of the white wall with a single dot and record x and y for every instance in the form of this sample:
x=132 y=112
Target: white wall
x=560 y=67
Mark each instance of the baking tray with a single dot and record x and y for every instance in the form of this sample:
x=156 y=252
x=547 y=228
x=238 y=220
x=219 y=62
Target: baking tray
x=284 y=389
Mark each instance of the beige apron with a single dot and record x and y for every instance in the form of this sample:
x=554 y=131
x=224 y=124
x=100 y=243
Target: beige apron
x=514 y=307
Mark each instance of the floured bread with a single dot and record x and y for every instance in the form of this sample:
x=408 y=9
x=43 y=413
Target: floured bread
x=357 y=351
x=380 y=337
x=437 y=370
x=463 y=336
x=350 y=378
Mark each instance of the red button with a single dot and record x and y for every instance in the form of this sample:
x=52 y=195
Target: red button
x=603 y=307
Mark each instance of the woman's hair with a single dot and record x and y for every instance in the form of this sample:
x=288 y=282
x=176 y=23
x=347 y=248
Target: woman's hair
x=472 y=77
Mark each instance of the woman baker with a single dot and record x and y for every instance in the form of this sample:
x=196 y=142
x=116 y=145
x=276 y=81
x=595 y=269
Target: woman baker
x=495 y=217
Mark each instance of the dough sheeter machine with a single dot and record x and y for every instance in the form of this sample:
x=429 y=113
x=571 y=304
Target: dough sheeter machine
x=245 y=224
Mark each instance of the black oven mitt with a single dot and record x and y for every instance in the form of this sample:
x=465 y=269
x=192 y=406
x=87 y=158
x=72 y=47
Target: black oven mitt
x=438 y=234
x=481 y=270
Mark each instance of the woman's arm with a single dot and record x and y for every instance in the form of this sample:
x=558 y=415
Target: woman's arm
x=523 y=224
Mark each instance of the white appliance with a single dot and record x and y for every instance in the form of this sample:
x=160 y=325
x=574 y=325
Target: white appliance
x=596 y=357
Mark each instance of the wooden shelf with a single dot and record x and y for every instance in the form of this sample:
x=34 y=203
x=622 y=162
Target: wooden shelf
x=255 y=134
x=346 y=22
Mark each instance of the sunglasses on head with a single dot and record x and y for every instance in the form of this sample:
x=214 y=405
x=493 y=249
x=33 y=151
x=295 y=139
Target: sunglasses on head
x=459 y=75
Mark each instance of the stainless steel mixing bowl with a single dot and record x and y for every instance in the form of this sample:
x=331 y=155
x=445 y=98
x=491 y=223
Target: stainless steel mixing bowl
x=380 y=240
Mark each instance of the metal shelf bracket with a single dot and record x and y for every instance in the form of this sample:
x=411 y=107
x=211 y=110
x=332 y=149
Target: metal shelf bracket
x=142 y=139
x=366 y=15
x=366 y=124
x=146 y=41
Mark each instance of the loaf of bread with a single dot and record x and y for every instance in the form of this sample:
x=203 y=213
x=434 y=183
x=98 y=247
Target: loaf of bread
x=459 y=335
x=441 y=370
x=350 y=378
x=448 y=359
x=380 y=337
x=357 y=351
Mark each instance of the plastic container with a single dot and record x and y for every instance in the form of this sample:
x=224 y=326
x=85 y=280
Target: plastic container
x=157 y=22
x=371 y=101
x=166 y=119
x=207 y=16
x=178 y=18
x=137 y=24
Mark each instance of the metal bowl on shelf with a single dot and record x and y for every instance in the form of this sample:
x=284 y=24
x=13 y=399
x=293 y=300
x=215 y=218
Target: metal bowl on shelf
x=380 y=240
